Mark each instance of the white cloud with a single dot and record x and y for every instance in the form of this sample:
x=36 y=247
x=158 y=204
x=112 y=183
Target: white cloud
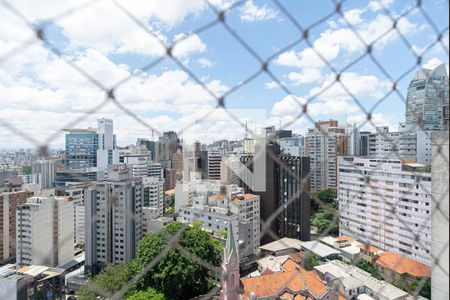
x=334 y=42
x=205 y=63
x=273 y=85
x=307 y=75
x=289 y=105
x=334 y=101
x=353 y=16
x=377 y=119
x=375 y=4
x=186 y=45
x=288 y=59
x=252 y=13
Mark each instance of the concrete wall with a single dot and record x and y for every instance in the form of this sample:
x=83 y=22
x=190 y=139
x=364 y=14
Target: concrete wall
x=440 y=225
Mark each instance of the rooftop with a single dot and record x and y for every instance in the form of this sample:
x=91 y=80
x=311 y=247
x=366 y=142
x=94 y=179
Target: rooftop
x=402 y=264
x=369 y=248
x=281 y=244
x=276 y=283
x=319 y=249
x=345 y=238
x=342 y=272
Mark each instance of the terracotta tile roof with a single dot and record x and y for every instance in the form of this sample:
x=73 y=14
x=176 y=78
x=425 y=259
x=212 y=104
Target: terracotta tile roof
x=402 y=264
x=217 y=196
x=266 y=272
x=290 y=265
x=345 y=238
x=273 y=284
x=297 y=257
x=369 y=248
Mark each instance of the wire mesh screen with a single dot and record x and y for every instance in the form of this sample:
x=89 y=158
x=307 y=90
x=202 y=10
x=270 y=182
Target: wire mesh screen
x=122 y=86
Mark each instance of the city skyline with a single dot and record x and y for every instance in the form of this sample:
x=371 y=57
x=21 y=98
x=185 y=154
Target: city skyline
x=38 y=78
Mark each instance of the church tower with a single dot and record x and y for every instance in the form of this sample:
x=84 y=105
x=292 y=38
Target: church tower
x=230 y=270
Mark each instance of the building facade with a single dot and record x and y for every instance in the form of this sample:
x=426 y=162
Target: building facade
x=81 y=148
x=44 y=231
x=8 y=205
x=324 y=143
x=113 y=212
x=382 y=203
x=293 y=196
x=427 y=99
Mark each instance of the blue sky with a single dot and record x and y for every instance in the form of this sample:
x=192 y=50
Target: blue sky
x=40 y=93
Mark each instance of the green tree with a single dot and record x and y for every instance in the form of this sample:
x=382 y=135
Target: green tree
x=149 y=293
x=310 y=261
x=325 y=218
x=425 y=290
x=178 y=275
x=111 y=280
x=324 y=197
x=369 y=268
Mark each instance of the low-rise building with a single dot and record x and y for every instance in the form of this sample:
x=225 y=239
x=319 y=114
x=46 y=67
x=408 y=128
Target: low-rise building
x=322 y=251
x=281 y=247
x=351 y=282
x=395 y=267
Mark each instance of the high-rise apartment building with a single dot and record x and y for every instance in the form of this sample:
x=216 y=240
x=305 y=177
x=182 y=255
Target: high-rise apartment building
x=382 y=203
x=324 y=143
x=293 y=196
x=45 y=231
x=106 y=153
x=76 y=192
x=153 y=193
x=407 y=144
x=213 y=161
x=44 y=173
x=427 y=99
x=150 y=145
x=113 y=219
x=81 y=148
x=8 y=205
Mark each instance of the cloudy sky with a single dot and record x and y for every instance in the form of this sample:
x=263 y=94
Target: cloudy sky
x=42 y=92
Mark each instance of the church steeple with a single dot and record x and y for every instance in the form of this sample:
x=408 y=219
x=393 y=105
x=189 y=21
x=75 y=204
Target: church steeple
x=230 y=269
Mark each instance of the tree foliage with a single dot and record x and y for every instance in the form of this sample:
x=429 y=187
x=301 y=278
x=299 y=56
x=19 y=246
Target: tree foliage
x=324 y=218
x=425 y=290
x=326 y=197
x=111 y=280
x=310 y=261
x=177 y=275
x=369 y=268
x=149 y=293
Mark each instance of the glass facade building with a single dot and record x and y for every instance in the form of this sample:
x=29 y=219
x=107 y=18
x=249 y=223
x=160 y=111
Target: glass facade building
x=81 y=148
x=427 y=99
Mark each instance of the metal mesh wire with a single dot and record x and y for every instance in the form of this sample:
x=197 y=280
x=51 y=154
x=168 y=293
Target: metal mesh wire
x=220 y=20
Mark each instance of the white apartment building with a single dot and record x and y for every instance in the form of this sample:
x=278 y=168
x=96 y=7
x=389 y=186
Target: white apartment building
x=406 y=144
x=107 y=154
x=149 y=214
x=215 y=212
x=113 y=210
x=381 y=202
x=249 y=146
x=247 y=207
x=155 y=170
x=324 y=143
x=153 y=193
x=76 y=192
x=44 y=173
x=138 y=160
x=45 y=231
